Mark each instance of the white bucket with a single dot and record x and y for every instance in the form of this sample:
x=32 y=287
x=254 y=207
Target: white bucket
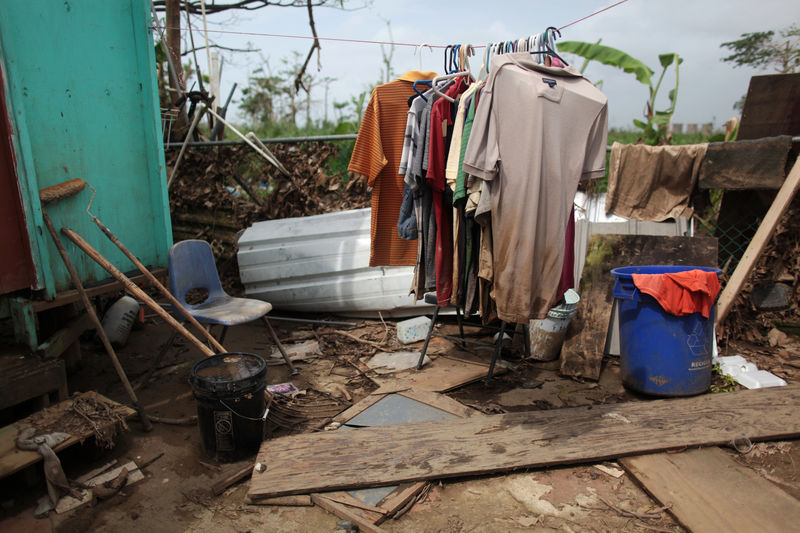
x=547 y=335
x=119 y=319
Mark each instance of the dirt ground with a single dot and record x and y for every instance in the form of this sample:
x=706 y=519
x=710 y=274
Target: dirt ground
x=175 y=494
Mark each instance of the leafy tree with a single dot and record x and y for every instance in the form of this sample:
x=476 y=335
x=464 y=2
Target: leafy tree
x=259 y=97
x=762 y=50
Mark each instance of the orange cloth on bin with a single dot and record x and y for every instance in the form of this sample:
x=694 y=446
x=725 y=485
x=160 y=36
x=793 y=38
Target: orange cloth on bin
x=681 y=293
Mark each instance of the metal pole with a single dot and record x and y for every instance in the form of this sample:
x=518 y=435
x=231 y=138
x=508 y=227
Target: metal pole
x=198 y=113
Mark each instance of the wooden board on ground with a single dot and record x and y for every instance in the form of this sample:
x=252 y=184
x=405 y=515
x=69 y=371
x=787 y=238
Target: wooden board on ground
x=344 y=512
x=68 y=503
x=439 y=401
x=583 y=350
x=708 y=491
x=12 y=459
x=444 y=374
x=379 y=456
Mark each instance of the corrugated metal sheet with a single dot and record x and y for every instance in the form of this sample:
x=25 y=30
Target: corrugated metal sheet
x=321 y=264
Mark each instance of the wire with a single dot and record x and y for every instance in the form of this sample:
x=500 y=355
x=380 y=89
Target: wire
x=592 y=14
x=364 y=41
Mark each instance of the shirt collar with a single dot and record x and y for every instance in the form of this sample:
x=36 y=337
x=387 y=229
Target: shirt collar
x=525 y=60
x=416 y=75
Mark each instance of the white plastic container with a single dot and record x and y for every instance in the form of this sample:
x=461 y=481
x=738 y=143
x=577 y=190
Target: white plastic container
x=413 y=329
x=547 y=335
x=119 y=319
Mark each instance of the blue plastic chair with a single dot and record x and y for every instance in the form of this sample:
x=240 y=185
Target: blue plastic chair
x=191 y=266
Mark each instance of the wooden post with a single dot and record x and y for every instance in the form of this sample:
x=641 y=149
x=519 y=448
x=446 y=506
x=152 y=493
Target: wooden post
x=756 y=246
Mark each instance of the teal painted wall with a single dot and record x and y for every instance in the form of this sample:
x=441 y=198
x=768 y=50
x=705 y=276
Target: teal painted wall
x=82 y=95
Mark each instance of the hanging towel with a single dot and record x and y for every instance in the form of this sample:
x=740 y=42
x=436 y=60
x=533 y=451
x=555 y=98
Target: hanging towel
x=652 y=182
x=681 y=293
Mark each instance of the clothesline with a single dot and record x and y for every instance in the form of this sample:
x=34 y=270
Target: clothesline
x=366 y=41
x=302 y=139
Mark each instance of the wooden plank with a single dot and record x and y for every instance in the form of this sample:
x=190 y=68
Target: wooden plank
x=343 y=512
x=300 y=500
x=750 y=164
x=381 y=456
x=757 y=244
x=770 y=107
x=232 y=475
x=709 y=492
x=398 y=499
x=583 y=349
x=373 y=514
x=23 y=317
x=12 y=459
x=64 y=337
x=23 y=378
x=68 y=503
x=71 y=296
x=441 y=375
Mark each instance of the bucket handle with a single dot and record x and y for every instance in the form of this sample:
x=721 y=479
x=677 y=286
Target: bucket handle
x=623 y=292
x=262 y=419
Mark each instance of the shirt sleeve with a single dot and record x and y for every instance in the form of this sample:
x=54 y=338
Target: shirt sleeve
x=368 y=158
x=594 y=163
x=435 y=174
x=408 y=143
x=482 y=155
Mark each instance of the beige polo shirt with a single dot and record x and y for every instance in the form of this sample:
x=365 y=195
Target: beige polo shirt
x=531 y=142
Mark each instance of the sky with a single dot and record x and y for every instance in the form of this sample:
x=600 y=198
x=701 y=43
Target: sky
x=642 y=28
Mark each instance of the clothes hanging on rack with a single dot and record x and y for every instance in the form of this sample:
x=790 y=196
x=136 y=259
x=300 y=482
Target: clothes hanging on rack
x=441 y=130
x=537 y=131
x=376 y=156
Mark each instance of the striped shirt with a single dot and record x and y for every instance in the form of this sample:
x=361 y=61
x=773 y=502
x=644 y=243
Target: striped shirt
x=376 y=155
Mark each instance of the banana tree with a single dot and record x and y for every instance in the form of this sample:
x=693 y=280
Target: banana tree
x=656 y=130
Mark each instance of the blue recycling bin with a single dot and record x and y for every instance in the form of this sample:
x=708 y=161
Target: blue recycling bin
x=661 y=354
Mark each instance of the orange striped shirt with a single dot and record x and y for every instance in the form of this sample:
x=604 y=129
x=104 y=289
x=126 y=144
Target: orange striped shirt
x=376 y=155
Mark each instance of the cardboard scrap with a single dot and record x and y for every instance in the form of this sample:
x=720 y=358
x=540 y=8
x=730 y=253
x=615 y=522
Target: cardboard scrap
x=302 y=351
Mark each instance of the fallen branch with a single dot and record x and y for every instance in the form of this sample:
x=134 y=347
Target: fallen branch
x=365 y=341
x=362 y=371
x=652 y=515
x=385 y=327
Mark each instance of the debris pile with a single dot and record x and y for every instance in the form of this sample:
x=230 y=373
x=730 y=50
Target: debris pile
x=768 y=303
x=210 y=198
x=85 y=414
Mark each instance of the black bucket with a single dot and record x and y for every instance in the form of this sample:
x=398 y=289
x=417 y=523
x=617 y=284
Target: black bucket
x=231 y=406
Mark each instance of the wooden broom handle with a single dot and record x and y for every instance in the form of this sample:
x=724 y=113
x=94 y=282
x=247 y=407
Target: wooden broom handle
x=174 y=301
x=134 y=289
